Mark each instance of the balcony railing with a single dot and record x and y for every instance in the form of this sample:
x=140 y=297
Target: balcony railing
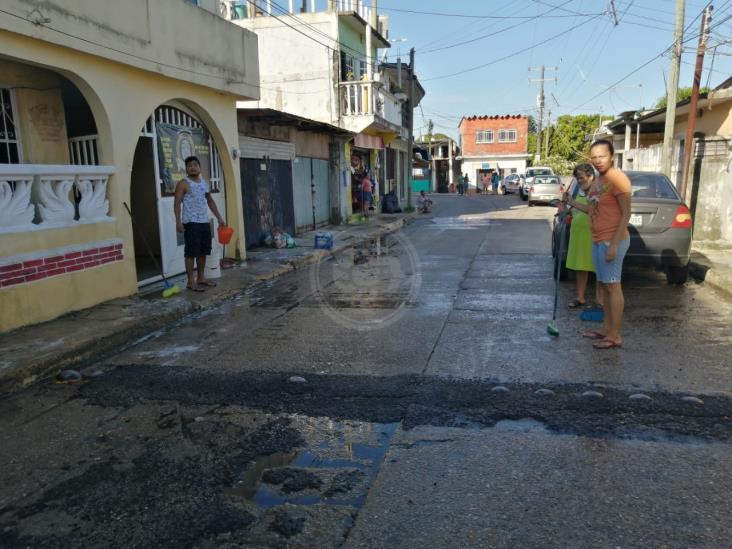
x=369 y=98
x=39 y=196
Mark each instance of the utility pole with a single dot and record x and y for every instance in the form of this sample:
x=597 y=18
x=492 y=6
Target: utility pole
x=546 y=133
x=671 y=91
x=615 y=13
x=691 y=123
x=540 y=104
x=410 y=141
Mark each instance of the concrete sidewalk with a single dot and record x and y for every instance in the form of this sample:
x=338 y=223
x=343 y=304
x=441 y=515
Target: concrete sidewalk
x=711 y=264
x=75 y=339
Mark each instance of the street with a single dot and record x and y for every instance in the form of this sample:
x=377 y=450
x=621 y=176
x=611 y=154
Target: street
x=402 y=394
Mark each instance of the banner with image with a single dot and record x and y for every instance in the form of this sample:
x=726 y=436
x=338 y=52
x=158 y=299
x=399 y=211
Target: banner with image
x=175 y=144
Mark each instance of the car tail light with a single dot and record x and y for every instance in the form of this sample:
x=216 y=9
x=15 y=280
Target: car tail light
x=682 y=219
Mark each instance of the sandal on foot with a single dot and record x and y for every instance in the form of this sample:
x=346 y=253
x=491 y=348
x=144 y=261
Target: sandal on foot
x=575 y=304
x=207 y=283
x=196 y=289
x=593 y=334
x=607 y=344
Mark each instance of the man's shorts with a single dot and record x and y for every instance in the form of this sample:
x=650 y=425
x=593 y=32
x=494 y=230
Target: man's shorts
x=609 y=272
x=197 y=238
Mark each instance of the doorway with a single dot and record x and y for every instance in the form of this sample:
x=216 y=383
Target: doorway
x=143 y=203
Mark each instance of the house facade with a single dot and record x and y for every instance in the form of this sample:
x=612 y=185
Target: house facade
x=321 y=64
x=101 y=101
x=493 y=143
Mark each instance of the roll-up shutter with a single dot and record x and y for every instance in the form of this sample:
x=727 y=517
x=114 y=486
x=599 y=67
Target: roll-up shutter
x=252 y=147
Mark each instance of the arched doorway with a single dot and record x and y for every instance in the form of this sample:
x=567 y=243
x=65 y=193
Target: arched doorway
x=170 y=134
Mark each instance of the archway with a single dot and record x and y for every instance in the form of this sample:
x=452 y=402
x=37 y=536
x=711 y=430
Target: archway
x=171 y=133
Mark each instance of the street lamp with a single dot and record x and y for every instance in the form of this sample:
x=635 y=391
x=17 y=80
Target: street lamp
x=636 y=117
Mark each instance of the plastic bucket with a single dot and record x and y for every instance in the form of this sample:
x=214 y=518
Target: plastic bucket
x=224 y=235
x=213 y=263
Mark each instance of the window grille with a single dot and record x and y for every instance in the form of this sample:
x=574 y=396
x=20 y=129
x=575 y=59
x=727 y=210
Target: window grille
x=507 y=136
x=484 y=136
x=10 y=152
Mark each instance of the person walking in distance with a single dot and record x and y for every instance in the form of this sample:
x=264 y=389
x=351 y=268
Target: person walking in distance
x=194 y=195
x=467 y=184
x=609 y=200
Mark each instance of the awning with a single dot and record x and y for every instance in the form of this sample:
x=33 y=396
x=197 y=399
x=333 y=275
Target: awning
x=365 y=141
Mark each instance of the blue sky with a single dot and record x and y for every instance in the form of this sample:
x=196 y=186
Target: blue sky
x=593 y=57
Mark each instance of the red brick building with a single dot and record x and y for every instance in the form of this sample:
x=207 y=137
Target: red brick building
x=494 y=143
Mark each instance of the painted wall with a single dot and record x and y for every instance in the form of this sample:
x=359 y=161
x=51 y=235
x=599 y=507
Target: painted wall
x=121 y=98
x=310 y=144
x=469 y=129
x=296 y=72
x=170 y=37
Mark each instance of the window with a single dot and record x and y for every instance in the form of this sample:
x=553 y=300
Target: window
x=9 y=142
x=484 y=136
x=348 y=67
x=507 y=136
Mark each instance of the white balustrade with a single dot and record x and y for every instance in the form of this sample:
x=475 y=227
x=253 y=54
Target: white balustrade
x=83 y=150
x=41 y=195
x=367 y=98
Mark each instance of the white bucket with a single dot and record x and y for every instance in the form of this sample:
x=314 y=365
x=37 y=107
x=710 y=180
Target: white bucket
x=213 y=263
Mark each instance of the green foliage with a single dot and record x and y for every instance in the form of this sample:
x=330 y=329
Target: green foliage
x=567 y=138
x=681 y=95
x=559 y=164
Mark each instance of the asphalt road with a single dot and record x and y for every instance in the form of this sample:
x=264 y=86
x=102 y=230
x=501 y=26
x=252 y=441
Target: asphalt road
x=404 y=394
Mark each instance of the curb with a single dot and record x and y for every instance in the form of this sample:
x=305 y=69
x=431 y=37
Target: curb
x=99 y=346
x=704 y=274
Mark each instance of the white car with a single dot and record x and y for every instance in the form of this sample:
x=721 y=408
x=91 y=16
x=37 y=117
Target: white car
x=531 y=173
x=511 y=183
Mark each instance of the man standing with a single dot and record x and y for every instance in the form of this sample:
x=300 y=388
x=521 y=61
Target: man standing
x=609 y=200
x=461 y=184
x=194 y=194
x=494 y=182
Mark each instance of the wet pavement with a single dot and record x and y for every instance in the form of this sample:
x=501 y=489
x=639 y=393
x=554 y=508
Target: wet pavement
x=403 y=393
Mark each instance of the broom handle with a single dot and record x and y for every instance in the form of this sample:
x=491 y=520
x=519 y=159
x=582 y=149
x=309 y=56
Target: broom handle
x=147 y=245
x=560 y=253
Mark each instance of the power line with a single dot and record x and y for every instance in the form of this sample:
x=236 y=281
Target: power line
x=554 y=37
x=473 y=16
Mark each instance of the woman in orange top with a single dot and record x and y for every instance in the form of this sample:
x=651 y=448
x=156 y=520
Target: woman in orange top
x=609 y=201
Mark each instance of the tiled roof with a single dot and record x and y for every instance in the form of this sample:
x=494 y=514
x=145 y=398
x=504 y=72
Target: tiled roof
x=494 y=116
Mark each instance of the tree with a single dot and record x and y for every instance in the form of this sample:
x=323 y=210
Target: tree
x=681 y=95
x=567 y=141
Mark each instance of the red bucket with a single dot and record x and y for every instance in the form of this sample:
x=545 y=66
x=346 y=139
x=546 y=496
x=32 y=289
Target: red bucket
x=225 y=235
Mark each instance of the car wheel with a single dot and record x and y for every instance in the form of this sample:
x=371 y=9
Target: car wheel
x=530 y=203
x=677 y=275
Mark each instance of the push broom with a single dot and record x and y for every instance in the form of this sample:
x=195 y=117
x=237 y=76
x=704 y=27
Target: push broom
x=169 y=289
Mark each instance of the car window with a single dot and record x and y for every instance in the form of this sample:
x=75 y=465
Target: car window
x=652 y=185
x=531 y=173
x=547 y=180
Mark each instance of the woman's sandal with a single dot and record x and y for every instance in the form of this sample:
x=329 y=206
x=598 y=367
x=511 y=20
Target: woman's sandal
x=607 y=344
x=575 y=304
x=593 y=334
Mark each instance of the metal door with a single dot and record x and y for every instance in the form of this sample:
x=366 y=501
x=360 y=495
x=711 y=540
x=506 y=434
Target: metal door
x=267 y=196
x=171 y=242
x=310 y=190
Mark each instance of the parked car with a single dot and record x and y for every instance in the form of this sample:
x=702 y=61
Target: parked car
x=660 y=228
x=544 y=189
x=531 y=173
x=511 y=183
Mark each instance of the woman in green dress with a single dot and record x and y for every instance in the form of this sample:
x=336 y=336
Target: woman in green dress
x=579 y=253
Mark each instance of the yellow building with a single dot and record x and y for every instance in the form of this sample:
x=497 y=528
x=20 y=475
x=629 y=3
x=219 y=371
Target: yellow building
x=100 y=101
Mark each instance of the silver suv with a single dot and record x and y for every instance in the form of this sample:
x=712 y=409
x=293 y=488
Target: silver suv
x=531 y=173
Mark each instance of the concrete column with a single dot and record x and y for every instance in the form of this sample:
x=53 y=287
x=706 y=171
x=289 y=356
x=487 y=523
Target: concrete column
x=626 y=146
x=369 y=61
x=450 y=175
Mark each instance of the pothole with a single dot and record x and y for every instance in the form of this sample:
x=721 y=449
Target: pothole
x=337 y=471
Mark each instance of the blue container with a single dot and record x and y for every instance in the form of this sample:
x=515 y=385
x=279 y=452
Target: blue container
x=323 y=241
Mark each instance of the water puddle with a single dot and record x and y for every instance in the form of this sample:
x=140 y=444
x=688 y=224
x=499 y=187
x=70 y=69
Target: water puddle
x=336 y=471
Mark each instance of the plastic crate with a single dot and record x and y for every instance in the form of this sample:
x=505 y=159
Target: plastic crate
x=323 y=241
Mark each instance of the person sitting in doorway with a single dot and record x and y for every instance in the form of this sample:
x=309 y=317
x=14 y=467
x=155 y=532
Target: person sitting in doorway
x=424 y=204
